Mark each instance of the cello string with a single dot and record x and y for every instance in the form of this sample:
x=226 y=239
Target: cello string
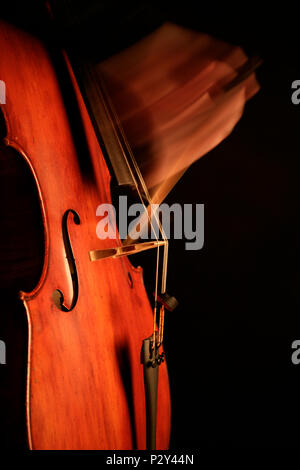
x=135 y=165
x=145 y=189
x=155 y=304
x=163 y=289
x=116 y=122
x=165 y=258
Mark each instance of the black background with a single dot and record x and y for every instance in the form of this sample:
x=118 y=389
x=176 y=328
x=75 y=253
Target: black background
x=229 y=342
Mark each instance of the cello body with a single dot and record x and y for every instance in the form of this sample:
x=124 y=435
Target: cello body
x=85 y=386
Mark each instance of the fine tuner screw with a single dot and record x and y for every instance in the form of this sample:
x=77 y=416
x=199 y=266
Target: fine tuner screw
x=159 y=360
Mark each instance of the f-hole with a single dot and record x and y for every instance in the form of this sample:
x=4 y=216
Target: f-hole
x=58 y=296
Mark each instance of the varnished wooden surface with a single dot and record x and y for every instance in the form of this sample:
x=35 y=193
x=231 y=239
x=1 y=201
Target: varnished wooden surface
x=85 y=381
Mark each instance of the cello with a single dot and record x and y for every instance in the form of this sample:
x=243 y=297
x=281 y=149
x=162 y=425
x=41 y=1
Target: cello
x=89 y=315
